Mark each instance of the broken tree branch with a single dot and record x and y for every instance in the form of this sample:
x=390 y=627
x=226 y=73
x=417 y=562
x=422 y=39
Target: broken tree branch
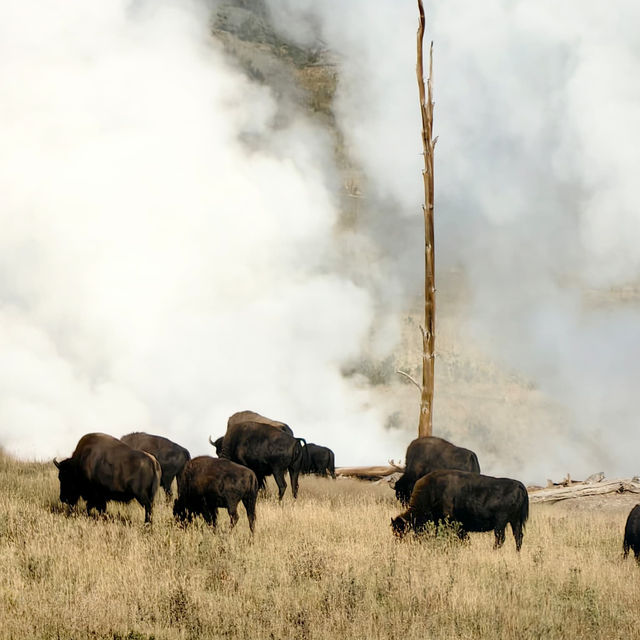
x=406 y=375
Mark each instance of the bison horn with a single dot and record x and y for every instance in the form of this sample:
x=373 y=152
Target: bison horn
x=211 y=442
x=56 y=463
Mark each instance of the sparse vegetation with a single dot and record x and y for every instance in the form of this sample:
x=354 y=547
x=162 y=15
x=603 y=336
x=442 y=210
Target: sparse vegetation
x=324 y=567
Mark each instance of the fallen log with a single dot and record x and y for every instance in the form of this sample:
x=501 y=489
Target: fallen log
x=583 y=490
x=367 y=473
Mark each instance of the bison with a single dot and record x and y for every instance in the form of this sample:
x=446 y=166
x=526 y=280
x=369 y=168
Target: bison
x=103 y=468
x=252 y=416
x=266 y=451
x=428 y=454
x=171 y=456
x=477 y=502
x=632 y=533
x=319 y=460
x=207 y=483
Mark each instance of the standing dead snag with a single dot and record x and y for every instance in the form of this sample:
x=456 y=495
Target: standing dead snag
x=425 y=425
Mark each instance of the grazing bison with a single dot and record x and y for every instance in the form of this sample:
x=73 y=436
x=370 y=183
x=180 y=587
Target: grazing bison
x=103 y=468
x=252 y=416
x=428 y=454
x=171 y=456
x=478 y=503
x=632 y=533
x=265 y=451
x=207 y=483
x=319 y=460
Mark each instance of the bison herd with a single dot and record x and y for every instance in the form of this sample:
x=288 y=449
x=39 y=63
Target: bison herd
x=103 y=468
x=441 y=482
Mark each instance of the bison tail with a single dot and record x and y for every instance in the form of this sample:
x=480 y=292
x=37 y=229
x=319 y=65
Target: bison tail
x=180 y=480
x=301 y=455
x=524 y=507
x=332 y=465
x=249 y=501
x=157 y=477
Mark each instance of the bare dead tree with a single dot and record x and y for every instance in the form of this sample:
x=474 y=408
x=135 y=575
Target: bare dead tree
x=425 y=424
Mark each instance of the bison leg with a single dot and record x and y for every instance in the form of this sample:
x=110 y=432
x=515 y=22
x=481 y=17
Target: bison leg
x=166 y=483
x=293 y=476
x=499 y=534
x=516 y=528
x=98 y=504
x=249 y=503
x=210 y=515
x=147 y=503
x=180 y=510
x=232 y=509
x=262 y=484
x=278 y=475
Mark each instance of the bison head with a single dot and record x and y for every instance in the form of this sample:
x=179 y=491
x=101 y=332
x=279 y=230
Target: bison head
x=69 y=482
x=217 y=444
x=400 y=526
x=402 y=489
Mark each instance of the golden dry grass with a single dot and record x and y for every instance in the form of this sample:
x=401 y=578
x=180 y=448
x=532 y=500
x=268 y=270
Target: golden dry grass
x=324 y=567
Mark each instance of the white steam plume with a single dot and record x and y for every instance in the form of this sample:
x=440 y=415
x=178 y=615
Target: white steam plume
x=537 y=112
x=155 y=272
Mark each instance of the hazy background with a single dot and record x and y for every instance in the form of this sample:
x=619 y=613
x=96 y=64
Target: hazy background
x=173 y=244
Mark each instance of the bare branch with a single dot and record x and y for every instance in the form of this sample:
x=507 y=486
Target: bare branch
x=406 y=375
x=397 y=467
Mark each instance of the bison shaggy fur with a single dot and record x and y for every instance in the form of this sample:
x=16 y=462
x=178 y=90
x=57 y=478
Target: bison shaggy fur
x=428 y=454
x=476 y=502
x=102 y=468
x=206 y=484
x=171 y=456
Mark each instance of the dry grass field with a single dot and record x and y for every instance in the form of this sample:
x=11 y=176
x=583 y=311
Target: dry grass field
x=324 y=567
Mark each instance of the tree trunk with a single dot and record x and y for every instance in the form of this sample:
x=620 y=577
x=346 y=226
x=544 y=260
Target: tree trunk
x=425 y=425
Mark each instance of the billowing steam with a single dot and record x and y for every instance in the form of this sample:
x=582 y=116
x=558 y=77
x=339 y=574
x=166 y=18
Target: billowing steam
x=170 y=246
x=537 y=116
x=156 y=272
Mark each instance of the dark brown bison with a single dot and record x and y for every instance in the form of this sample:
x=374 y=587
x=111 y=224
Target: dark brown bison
x=103 y=468
x=252 y=416
x=171 y=456
x=632 y=533
x=477 y=502
x=319 y=460
x=266 y=451
x=207 y=483
x=428 y=454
